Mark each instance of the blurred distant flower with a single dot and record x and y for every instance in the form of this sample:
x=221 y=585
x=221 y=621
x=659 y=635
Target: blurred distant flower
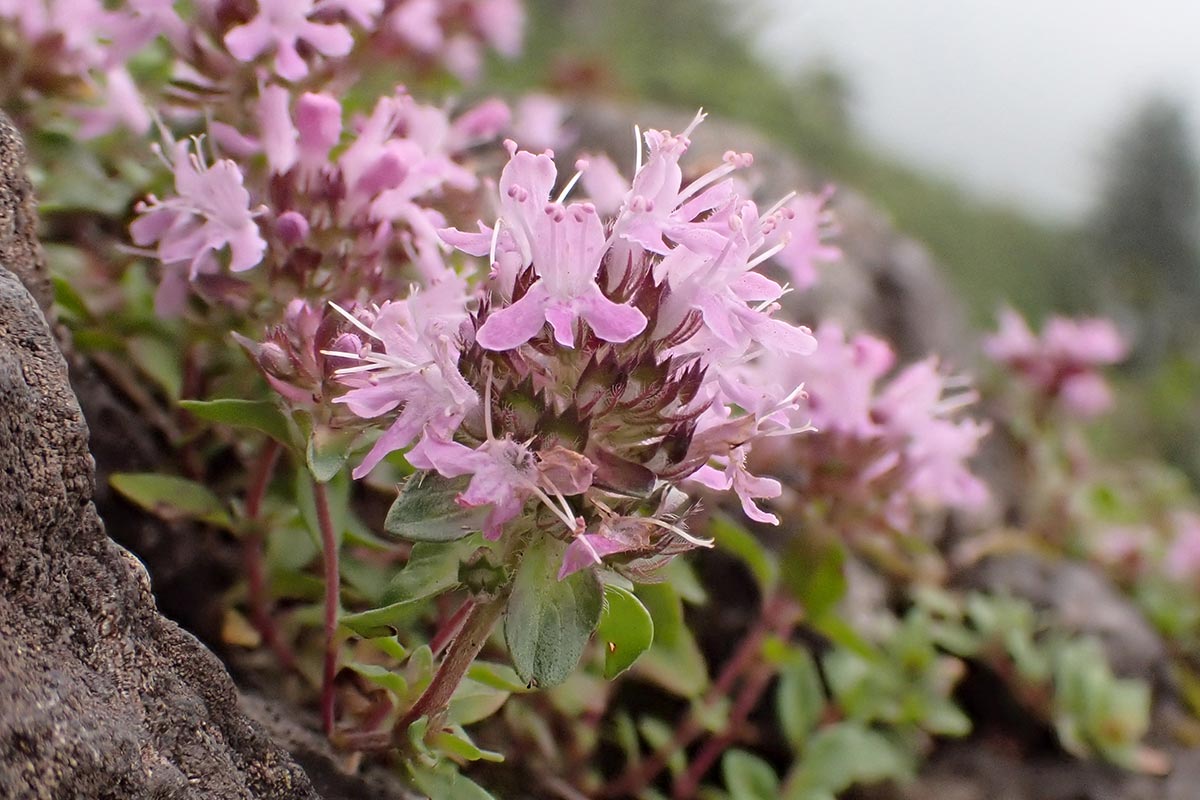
x=280 y=26
x=538 y=122
x=1061 y=365
x=1182 y=559
x=884 y=448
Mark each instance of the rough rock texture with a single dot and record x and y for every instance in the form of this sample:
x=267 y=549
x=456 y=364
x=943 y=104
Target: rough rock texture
x=100 y=696
x=19 y=248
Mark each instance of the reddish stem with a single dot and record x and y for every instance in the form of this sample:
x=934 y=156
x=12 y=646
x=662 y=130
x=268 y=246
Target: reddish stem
x=472 y=636
x=690 y=728
x=753 y=687
x=253 y=557
x=329 y=550
x=451 y=627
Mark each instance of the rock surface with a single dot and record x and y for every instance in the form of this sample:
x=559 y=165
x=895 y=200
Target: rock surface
x=100 y=696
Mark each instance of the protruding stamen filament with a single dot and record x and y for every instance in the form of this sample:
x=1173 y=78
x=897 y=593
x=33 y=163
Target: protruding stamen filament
x=355 y=321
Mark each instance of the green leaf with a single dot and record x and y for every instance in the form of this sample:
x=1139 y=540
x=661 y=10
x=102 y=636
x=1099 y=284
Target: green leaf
x=390 y=645
x=733 y=537
x=497 y=676
x=748 y=777
x=382 y=677
x=473 y=701
x=432 y=568
x=626 y=630
x=548 y=622
x=456 y=742
x=427 y=510
x=814 y=572
x=657 y=734
x=842 y=633
x=327 y=452
x=378 y=622
x=844 y=754
x=444 y=782
x=260 y=415
x=160 y=361
x=800 y=698
x=674 y=661
x=171 y=497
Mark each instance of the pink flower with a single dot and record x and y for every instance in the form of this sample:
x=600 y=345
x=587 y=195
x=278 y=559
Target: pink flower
x=1182 y=560
x=803 y=225
x=502 y=24
x=279 y=135
x=410 y=363
x=211 y=210
x=1062 y=364
x=503 y=474
x=840 y=380
x=418 y=24
x=538 y=122
x=318 y=127
x=564 y=244
x=747 y=487
x=281 y=25
x=363 y=13
x=915 y=410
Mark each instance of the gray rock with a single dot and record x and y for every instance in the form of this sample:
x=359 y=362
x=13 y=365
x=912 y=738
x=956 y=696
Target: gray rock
x=100 y=696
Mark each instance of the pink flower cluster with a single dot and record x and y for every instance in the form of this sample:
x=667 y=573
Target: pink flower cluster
x=1061 y=365
x=221 y=44
x=601 y=364
x=340 y=223
x=883 y=446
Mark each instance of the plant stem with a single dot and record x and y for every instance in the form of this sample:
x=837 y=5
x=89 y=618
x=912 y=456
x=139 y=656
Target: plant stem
x=253 y=558
x=451 y=627
x=476 y=628
x=329 y=551
x=633 y=781
x=753 y=687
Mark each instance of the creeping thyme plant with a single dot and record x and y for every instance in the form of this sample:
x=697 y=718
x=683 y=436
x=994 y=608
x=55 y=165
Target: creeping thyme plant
x=345 y=284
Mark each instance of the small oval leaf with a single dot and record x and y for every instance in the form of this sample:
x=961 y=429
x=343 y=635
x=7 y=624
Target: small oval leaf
x=427 y=510
x=260 y=415
x=625 y=630
x=171 y=497
x=548 y=622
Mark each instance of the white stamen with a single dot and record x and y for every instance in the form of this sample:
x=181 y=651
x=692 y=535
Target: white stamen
x=637 y=137
x=570 y=185
x=495 y=241
x=703 y=181
x=487 y=403
x=678 y=531
x=768 y=253
x=355 y=321
x=783 y=201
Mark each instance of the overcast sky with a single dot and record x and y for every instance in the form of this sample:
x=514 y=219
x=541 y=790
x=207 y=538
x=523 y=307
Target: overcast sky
x=1016 y=99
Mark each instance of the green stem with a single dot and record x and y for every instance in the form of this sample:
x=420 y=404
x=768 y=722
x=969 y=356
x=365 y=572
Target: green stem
x=329 y=551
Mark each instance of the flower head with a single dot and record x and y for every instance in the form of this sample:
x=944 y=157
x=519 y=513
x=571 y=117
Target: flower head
x=606 y=382
x=281 y=25
x=1062 y=364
